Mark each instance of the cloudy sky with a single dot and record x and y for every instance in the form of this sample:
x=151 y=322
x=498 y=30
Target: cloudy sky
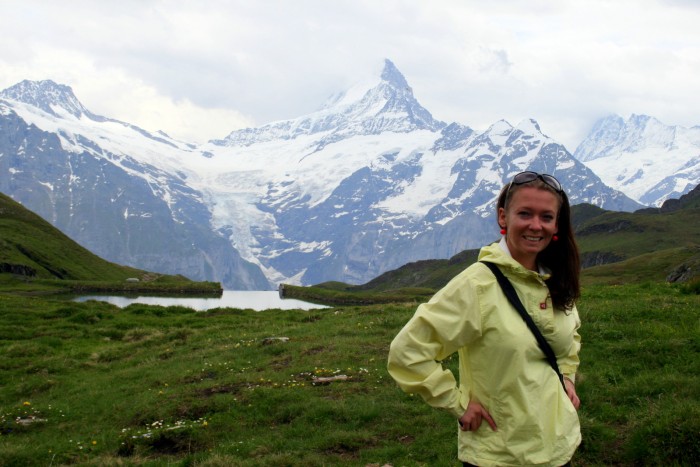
x=198 y=69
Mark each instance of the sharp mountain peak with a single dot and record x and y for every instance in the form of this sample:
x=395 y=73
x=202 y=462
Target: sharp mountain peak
x=392 y=75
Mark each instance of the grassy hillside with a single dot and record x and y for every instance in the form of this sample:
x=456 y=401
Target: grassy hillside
x=626 y=235
x=651 y=244
x=425 y=274
x=33 y=250
x=681 y=264
x=91 y=384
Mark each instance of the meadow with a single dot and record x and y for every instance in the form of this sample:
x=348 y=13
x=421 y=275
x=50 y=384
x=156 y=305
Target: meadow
x=92 y=384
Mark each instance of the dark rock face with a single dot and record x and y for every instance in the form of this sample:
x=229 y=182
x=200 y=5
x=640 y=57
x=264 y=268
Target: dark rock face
x=18 y=269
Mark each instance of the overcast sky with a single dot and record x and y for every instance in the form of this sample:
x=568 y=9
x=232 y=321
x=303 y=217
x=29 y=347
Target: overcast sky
x=199 y=69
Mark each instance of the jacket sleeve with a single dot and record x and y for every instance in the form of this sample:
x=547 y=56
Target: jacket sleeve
x=438 y=328
x=568 y=364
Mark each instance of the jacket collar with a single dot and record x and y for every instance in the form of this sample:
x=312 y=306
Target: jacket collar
x=499 y=254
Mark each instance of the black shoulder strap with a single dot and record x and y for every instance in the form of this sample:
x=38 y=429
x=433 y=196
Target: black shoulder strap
x=512 y=296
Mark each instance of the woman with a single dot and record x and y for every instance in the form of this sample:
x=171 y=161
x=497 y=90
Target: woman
x=510 y=404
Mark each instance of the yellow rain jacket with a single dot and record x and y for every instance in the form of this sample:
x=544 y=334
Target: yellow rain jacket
x=500 y=364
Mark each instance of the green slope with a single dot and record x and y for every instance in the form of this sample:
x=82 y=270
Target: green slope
x=32 y=247
x=627 y=235
x=430 y=274
x=680 y=264
x=35 y=257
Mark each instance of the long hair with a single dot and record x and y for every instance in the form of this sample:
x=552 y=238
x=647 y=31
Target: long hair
x=560 y=257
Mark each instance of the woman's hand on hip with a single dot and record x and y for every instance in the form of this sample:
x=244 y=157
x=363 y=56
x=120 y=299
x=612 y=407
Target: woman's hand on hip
x=472 y=418
x=571 y=392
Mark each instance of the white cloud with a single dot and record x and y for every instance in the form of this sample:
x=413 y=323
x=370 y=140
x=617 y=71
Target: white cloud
x=198 y=70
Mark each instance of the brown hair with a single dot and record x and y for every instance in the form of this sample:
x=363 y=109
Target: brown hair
x=560 y=257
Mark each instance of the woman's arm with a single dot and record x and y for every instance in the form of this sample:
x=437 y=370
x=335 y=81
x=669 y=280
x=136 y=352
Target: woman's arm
x=437 y=330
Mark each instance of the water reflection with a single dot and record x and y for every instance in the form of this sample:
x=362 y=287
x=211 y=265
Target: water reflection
x=255 y=300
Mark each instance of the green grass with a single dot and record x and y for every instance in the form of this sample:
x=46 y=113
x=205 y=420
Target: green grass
x=150 y=385
x=164 y=285
x=354 y=296
x=641 y=375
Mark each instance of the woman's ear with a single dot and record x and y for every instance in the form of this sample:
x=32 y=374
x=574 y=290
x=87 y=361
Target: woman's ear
x=502 y=218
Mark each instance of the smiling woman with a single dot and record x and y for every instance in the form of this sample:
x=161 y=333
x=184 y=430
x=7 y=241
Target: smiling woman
x=512 y=409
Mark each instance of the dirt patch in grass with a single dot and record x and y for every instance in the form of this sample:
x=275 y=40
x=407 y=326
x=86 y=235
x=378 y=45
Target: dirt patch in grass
x=234 y=388
x=316 y=350
x=281 y=363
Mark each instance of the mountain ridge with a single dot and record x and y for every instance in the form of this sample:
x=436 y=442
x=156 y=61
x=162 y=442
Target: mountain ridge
x=369 y=182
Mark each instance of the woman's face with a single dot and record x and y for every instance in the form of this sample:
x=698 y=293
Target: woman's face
x=530 y=221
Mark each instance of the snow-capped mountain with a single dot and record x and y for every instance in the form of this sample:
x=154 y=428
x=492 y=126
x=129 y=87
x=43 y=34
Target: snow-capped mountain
x=383 y=105
x=643 y=158
x=111 y=186
x=367 y=183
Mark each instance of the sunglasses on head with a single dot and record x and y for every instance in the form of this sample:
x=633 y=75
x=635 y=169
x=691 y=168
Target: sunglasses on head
x=527 y=177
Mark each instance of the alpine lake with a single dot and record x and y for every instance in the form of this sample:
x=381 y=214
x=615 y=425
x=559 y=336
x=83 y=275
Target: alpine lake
x=241 y=299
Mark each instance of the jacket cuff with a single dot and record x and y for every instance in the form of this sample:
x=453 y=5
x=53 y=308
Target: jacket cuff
x=461 y=406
